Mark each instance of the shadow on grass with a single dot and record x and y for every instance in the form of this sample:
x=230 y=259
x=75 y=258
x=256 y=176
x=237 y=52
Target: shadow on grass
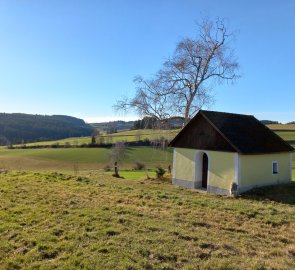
x=284 y=193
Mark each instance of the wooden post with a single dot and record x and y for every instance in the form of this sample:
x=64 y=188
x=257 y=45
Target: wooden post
x=116 y=174
x=169 y=169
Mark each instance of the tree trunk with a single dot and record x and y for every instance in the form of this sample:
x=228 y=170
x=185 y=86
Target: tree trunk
x=187 y=110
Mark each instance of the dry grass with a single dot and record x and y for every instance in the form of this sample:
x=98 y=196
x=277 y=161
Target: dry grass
x=92 y=221
x=282 y=127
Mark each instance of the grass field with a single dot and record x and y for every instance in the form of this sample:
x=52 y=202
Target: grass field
x=287 y=135
x=282 y=127
x=127 y=136
x=70 y=159
x=136 y=135
x=69 y=214
x=92 y=221
x=135 y=174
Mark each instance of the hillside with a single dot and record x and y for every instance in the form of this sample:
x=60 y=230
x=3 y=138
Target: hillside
x=113 y=125
x=143 y=134
x=282 y=127
x=21 y=128
x=121 y=136
x=145 y=123
x=59 y=129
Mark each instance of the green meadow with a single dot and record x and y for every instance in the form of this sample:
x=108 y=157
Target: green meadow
x=125 y=136
x=69 y=159
x=59 y=209
x=143 y=134
x=287 y=135
x=94 y=221
x=287 y=132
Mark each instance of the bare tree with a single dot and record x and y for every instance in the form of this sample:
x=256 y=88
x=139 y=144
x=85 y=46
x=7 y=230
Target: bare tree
x=151 y=99
x=118 y=152
x=183 y=85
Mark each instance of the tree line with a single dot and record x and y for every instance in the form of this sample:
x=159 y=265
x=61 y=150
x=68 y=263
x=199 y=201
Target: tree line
x=154 y=123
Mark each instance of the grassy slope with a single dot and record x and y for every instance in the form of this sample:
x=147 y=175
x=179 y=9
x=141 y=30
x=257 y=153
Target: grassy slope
x=287 y=135
x=282 y=127
x=135 y=135
x=128 y=136
x=55 y=221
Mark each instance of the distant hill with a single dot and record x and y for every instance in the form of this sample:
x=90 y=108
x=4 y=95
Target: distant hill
x=23 y=128
x=145 y=123
x=114 y=125
x=269 y=122
x=172 y=123
x=176 y=122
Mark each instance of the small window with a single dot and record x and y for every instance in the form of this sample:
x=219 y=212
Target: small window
x=275 y=167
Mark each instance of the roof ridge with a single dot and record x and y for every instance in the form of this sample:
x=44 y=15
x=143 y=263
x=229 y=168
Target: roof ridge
x=246 y=115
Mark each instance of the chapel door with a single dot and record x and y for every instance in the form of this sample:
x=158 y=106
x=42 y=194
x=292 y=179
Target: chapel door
x=205 y=171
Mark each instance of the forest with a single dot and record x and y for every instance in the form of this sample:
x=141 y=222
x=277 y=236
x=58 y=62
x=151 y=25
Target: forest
x=23 y=128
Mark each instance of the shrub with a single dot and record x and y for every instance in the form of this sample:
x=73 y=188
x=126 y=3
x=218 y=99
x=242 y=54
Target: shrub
x=55 y=145
x=93 y=139
x=139 y=166
x=160 y=171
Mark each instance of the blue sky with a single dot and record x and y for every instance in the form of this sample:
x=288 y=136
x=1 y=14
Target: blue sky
x=78 y=57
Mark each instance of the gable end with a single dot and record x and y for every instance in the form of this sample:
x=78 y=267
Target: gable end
x=199 y=133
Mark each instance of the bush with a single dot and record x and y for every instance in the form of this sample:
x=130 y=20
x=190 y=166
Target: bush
x=55 y=145
x=160 y=172
x=139 y=166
